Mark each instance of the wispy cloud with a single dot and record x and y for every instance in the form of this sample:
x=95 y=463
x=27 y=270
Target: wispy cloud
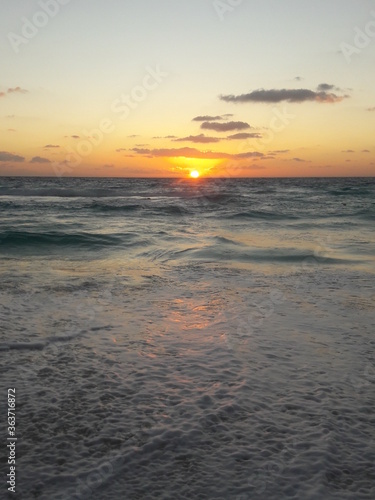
x=165 y=137
x=326 y=87
x=5 y=156
x=194 y=153
x=207 y=118
x=199 y=139
x=371 y=109
x=348 y=151
x=17 y=90
x=300 y=160
x=365 y=150
x=289 y=95
x=13 y=90
x=51 y=146
x=243 y=136
x=39 y=159
x=225 y=127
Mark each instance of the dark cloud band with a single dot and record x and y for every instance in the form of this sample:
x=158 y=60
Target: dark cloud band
x=225 y=127
x=288 y=95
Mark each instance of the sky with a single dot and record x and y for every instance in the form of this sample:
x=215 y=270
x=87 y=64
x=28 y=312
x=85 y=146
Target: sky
x=159 y=88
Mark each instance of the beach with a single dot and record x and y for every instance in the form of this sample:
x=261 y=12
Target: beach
x=207 y=338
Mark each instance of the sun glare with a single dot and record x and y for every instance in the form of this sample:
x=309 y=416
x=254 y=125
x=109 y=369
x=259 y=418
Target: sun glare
x=194 y=174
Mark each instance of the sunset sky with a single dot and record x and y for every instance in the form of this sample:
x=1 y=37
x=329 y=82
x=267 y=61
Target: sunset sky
x=258 y=88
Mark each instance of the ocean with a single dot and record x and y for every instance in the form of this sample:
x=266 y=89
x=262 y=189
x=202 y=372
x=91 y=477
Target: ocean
x=189 y=339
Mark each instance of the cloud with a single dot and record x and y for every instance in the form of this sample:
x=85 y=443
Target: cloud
x=371 y=109
x=207 y=118
x=39 y=159
x=133 y=136
x=325 y=87
x=5 y=156
x=12 y=130
x=17 y=89
x=225 y=127
x=194 y=153
x=348 y=151
x=298 y=78
x=289 y=95
x=165 y=137
x=365 y=150
x=300 y=160
x=243 y=135
x=120 y=150
x=279 y=151
x=50 y=146
x=269 y=157
x=199 y=139
x=13 y=90
x=75 y=136
x=109 y=165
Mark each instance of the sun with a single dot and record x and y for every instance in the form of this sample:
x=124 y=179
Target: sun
x=194 y=174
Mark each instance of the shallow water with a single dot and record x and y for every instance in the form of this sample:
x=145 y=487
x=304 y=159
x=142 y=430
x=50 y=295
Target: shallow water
x=181 y=339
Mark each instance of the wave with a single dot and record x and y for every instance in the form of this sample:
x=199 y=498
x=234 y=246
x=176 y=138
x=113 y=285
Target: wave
x=351 y=191
x=171 y=210
x=100 y=207
x=22 y=239
x=231 y=251
x=22 y=346
x=287 y=256
x=255 y=214
x=55 y=192
x=45 y=192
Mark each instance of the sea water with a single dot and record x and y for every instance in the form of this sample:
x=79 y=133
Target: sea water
x=189 y=339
